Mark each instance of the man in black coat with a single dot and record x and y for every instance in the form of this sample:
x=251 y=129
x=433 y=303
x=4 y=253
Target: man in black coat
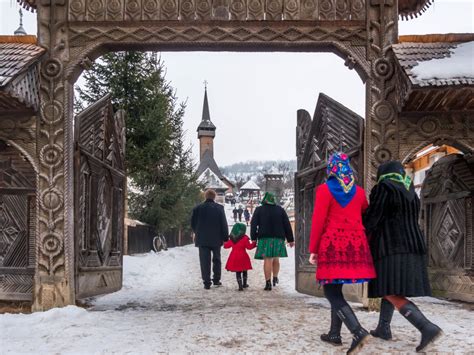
x=209 y=225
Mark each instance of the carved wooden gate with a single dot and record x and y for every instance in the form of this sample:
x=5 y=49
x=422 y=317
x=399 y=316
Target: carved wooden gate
x=334 y=127
x=17 y=225
x=448 y=218
x=99 y=199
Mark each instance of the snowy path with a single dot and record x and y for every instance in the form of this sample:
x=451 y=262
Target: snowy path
x=163 y=308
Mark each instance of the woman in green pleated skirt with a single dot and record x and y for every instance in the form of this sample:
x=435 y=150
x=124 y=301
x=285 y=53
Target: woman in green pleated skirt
x=271 y=228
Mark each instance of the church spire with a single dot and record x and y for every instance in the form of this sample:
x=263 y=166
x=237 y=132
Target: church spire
x=206 y=129
x=206 y=123
x=20 y=31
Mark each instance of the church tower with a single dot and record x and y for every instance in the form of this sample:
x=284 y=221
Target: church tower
x=206 y=130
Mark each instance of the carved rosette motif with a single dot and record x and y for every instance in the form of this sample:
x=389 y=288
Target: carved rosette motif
x=151 y=10
x=273 y=9
x=309 y=9
x=327 y=10
x=238 y=10
x=381 y=141
x=169 y=9
x=203 y=9
x=256 y=9
x=54 y=275
x=343 y=9
x=187 y=10
x=291 y=9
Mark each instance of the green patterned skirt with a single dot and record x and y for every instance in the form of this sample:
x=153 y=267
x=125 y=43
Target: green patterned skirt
x=271 y=248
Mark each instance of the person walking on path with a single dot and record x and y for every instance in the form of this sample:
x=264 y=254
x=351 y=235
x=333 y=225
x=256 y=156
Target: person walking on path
x=339 y=247
x=240 y=211
x=239 y=260
x=247 y=216
x=234 y=212
x=399 y=252
x=270 y=226
x=209 y=225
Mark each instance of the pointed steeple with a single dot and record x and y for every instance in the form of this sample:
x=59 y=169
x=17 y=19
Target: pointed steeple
x=20 y=31
x=206 y=123
x=206 y=129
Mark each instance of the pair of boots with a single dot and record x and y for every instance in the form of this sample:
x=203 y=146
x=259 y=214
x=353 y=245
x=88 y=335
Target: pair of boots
x=242 y=281
x=429 y=331
x=346 y=315
x=268 y=283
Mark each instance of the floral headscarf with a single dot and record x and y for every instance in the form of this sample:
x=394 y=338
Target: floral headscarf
x=338 y=167
x=341 y=182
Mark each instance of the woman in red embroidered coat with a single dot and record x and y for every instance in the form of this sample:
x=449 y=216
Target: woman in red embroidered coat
x=339 y=247
x=239 y=261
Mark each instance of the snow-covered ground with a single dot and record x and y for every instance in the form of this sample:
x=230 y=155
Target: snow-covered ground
x=164 y=308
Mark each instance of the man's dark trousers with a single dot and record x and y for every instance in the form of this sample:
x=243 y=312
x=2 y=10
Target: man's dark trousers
x=205 y=260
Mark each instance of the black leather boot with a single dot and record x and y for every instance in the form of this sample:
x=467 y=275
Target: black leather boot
x=383 y=330
x=275 y=280
x=239 y=281
x=268 y=285
x=333 y=337
x=429 y=331
x=245 y=284
x=359 y=335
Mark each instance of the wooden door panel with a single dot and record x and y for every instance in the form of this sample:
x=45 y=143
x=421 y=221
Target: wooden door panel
x=99 y=199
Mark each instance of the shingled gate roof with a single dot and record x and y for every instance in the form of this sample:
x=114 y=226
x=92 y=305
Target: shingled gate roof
x=436 y=72
x=19 y=59
x=411 y=54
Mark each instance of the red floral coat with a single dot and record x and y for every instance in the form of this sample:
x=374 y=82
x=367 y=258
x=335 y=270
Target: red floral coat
x=338 y=237
x=238 y=259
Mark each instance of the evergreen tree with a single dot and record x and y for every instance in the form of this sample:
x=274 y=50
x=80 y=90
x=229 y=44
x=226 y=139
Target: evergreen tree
x=158 y=163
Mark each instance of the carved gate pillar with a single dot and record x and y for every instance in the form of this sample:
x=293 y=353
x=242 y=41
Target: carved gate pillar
x=54 y=274
x=381 y=138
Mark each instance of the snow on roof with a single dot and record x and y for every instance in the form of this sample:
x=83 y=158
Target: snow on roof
x=211 y=180
x=460 y=64
x=250 y=185
x=437 y=63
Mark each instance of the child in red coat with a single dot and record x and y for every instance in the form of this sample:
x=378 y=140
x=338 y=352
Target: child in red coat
x=239 y=261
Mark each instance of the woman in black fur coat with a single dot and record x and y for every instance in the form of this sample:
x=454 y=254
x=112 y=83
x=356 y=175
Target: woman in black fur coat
x=399 y=252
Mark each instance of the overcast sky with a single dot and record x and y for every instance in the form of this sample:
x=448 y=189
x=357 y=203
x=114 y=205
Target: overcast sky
x=253 y=97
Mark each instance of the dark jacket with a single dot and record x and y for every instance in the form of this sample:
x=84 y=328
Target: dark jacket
x=391 y=221
x=209 y=224
x=270 y=221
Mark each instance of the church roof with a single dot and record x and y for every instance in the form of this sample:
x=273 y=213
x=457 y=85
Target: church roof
x=206 y=123
x=211 y=180
x=207 y=161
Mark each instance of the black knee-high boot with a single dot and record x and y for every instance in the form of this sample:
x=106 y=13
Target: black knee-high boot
x=245 y=284
x=429 y=331
x=239 y=280
x=383 y=330
x=359 y=334
x=333 y=337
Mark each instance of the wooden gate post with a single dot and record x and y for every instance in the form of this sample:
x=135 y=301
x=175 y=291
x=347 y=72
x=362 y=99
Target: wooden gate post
x=54 y=274
x=381 y=141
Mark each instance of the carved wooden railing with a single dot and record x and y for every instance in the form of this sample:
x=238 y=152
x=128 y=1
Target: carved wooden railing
x=221 y=10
